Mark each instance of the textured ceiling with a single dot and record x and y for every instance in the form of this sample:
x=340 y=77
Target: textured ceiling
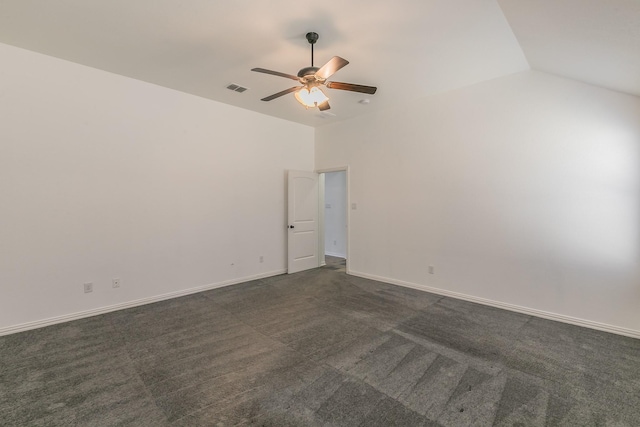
x=408 y=48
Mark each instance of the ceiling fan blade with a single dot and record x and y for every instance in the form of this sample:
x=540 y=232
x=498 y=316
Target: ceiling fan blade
x=353 y=88
x=328 y=69
x=279 y=94
x=274 y=73
x=324 y=106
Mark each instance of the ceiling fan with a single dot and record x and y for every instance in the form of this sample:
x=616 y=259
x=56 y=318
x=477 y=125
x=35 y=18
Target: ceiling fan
x=310 y=94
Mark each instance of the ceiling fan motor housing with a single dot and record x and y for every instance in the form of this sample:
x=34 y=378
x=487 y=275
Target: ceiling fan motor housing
x=307 y=71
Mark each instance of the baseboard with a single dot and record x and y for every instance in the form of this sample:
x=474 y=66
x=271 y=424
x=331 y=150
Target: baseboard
x=337 y=255
x=506 y=306
x=102 y=310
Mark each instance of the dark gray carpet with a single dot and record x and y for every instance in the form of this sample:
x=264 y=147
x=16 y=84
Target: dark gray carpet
x=318 y=348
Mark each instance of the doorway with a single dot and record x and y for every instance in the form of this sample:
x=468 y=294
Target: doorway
x=334 y=216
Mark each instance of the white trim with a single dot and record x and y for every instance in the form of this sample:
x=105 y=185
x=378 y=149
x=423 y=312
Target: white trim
x=506 y=306
x=102 y=310
x=329 y=170
x=321 y=216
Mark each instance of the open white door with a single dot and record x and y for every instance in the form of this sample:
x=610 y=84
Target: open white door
x=303 y=221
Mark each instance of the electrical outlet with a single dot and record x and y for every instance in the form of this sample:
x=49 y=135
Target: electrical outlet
x=88 y=287
x=261 y=258
x=115 y=283
x=335 y=242
x=432 y=269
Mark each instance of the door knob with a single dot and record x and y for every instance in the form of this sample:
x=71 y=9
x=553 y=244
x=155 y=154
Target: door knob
x=291 y=226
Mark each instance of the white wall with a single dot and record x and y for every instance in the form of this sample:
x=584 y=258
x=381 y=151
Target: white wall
x=335 y=214
x=524 y=191
x=102 y=176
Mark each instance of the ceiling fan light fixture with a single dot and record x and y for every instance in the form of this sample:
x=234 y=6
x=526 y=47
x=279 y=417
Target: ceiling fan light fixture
x=311 y=98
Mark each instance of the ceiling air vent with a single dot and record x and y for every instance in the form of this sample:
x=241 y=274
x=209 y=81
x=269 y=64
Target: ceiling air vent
x=325 y=114
x=236 y=88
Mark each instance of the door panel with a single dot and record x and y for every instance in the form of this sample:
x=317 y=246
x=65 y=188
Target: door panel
x=303 y=221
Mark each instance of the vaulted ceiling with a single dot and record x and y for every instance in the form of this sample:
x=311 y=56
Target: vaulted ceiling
x=408 y=49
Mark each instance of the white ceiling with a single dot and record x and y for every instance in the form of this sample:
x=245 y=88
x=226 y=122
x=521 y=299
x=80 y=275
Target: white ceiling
x=595 y=41
x=407 y=48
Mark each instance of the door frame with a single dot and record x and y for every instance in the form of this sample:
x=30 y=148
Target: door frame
x=321 y=207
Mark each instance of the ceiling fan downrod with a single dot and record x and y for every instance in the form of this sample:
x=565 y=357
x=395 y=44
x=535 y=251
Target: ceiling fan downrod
x=312 y=38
